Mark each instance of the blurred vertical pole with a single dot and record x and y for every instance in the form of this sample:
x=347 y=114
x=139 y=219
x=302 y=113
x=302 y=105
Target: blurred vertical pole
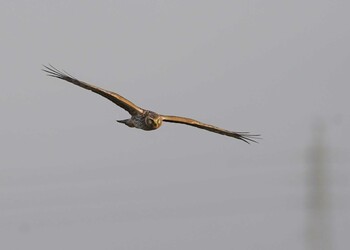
x=318 y=235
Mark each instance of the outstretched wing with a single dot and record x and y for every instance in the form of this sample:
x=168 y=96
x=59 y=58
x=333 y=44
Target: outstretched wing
x=114 y=97
x=244 y=136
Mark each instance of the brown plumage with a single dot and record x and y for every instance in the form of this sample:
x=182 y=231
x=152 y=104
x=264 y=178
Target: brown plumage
x=141 y=118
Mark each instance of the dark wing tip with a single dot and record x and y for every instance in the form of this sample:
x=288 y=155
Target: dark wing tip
x=247 y=137
x=54 y=72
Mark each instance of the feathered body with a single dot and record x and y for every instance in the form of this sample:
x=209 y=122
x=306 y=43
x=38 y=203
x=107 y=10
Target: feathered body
x=146 y=120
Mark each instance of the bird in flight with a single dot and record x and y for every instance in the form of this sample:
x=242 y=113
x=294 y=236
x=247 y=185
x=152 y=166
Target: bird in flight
x=142 y=118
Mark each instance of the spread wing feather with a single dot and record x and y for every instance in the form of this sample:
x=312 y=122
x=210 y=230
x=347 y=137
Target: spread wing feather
x=244 y=136
x=114 y=97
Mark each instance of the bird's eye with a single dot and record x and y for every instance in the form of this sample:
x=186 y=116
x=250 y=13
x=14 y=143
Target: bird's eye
x=149 y=121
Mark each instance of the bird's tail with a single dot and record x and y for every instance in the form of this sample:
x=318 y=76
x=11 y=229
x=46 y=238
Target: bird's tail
x=127 y=122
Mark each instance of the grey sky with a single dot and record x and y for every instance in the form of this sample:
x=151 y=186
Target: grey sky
x=73 y=178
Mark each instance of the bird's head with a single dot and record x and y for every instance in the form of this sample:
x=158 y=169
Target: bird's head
x=153 y=120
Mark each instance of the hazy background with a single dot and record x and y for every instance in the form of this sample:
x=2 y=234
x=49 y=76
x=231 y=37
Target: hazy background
x=72 y=178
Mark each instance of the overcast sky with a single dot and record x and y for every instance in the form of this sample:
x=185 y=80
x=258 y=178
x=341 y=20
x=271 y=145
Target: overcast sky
x=73 y=178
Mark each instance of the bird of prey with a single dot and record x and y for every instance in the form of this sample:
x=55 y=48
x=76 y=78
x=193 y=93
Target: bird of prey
x=142 y=118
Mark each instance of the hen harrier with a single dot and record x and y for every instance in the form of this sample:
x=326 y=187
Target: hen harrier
x=142 y=118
